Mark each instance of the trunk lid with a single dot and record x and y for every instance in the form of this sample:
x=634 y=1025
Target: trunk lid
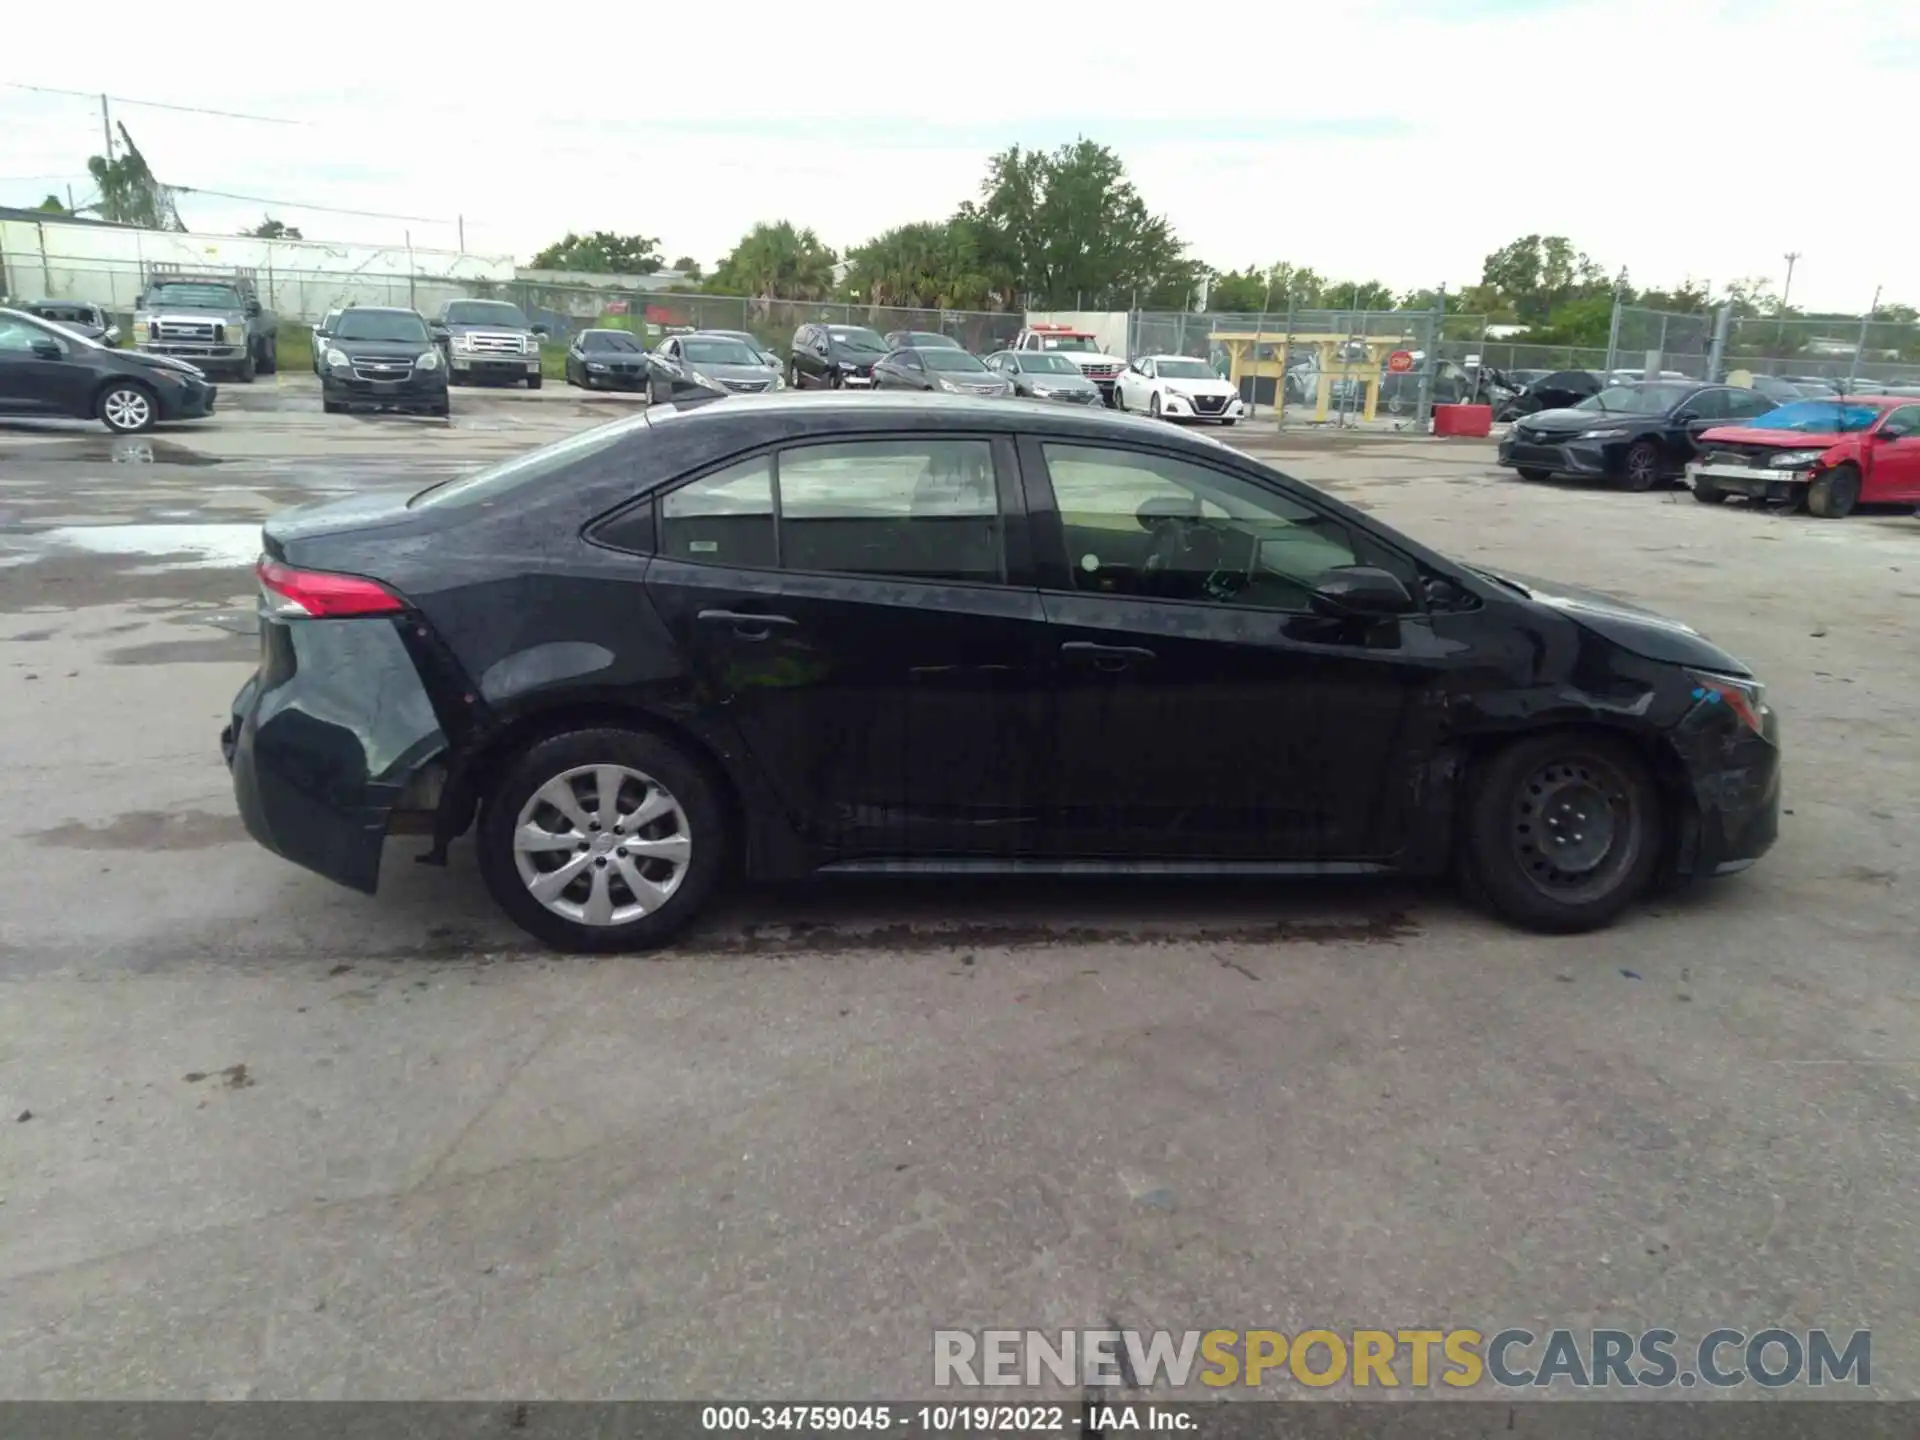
x=296 y=536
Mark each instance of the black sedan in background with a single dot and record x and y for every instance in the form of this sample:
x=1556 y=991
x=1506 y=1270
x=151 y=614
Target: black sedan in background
x=946 y=636
x=48 y=371
x=607 y=360
x=945 y=368
x=1637 y=435
x=383 y=359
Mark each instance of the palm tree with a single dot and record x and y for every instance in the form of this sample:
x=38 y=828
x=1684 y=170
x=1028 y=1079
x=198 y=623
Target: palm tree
x=777 y=262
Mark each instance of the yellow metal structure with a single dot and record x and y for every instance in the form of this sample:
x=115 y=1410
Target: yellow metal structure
x=1330 y=356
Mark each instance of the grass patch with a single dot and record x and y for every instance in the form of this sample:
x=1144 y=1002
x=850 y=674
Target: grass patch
x=293 y=345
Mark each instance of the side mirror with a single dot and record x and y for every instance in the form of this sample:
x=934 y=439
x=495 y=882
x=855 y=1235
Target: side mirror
x=48 y=349
x=539 y=329
x=437 y=329
x=1686 y=417
x=1360 y=591
x=112 y=335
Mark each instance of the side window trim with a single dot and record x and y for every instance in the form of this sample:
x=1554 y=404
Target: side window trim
x=1052 y=564
x=1016 y=544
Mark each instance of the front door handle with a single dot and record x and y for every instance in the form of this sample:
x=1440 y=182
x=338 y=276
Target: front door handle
x=1110 y=658
x=748 y=627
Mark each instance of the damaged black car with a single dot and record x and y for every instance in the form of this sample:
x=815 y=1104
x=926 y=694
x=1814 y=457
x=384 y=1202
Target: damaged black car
x=789 y=636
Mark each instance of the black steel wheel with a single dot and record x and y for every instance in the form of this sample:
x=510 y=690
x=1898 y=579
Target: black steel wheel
x=1834 y=494
x=1562 y=831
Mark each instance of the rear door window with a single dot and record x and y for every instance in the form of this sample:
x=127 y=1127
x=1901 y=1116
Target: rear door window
x=725 y=518
x=921 y=509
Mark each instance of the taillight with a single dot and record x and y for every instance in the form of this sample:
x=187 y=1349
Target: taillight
x=319 y=595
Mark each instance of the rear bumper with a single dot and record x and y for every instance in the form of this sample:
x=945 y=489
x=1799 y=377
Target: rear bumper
x=324 y=740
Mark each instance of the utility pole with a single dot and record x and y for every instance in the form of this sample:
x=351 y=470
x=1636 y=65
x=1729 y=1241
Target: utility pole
x=461 y=221
x=106 y=127
x=1780 y=330
x=1860 y=345
x=1613 y=328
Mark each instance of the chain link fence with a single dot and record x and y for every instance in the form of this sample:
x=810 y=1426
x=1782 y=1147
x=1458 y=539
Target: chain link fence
x=1833 y=350
x=303 y=297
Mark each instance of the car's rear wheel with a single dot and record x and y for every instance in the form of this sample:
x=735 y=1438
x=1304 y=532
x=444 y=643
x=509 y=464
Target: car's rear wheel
x=1707 y=493
x=270 y=358
x=603 y=840
x=1533 y=472
x=533 y=382
x=1561 y=832
x=1834 y=494
x=245 y=373
x=1640 y=468
x=128 y=407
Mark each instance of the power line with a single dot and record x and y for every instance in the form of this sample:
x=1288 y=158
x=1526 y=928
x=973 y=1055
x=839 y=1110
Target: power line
x=156 y=104
x=302 y=205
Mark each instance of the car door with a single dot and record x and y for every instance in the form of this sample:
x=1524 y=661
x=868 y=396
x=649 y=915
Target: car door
x=1204 y=718
x=1743 y=404
x=40 y=373
x=810 y=354
x=1894 y=471
x=1701 y=412
x=863 y=610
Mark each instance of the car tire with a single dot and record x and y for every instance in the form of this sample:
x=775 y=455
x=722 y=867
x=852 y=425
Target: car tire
x=1229 y=424
x=332 y=407
x=1640 y=466
x=127 y=407
x=793 y=376
x=1708 y=494
x=1533 y=472
x=1518 y=846
x=442 y=410
x=1119 y=400
x=1153 y=406
x=270 y=358
x=649 y=772
x=246 y=371
x=1834 y=494
x=533 y=382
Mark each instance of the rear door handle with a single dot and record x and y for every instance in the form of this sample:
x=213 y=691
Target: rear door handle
x=1106 y=657
x=748 y=627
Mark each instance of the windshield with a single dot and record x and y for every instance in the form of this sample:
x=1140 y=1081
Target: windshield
x=718 y=352
x=1048 y=365
x=1070 y=342
x=942 y=358
x=1817 y=417
x=1635 y=399
x=486 y=312
x=198 y=297
x=855 y=338
x=531 y=467
x=1184 y=370
x=381 y=325
x=609 y=340
x=926 y=339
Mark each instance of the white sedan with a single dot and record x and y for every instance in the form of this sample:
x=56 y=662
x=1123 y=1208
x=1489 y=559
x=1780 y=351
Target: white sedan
x=1177 y=387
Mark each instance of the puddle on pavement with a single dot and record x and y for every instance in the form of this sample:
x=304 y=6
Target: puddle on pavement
x=178 y=547
x=124 y=450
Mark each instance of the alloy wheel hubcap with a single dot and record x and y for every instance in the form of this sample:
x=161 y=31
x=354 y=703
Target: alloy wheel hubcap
x=127 y=409
x=602 y=844
x=1640 y=465
x=1572 y=827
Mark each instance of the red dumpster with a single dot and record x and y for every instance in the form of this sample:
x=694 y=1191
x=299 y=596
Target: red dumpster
x=1471 y=420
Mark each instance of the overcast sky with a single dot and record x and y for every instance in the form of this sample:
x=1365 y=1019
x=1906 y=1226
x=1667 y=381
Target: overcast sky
x=1395 y=139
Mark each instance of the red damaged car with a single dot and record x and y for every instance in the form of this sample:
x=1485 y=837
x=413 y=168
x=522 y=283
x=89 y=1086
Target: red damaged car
x=1824 y=455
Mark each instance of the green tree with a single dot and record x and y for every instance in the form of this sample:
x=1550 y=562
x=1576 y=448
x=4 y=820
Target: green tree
x=1538 y=273
x=934 y=265
x=129 y=194
x=272 y=229
x=1068 y=228
x=1276 y=288
x=687 y=266
x=602 y=253
x=776 y=262
x=52 y=205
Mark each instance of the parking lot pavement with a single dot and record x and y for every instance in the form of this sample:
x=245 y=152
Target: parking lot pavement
x=261 y=1136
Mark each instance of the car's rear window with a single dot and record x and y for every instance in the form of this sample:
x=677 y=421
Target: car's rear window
x=498 y=482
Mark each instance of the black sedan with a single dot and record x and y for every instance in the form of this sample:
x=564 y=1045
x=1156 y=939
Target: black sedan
x=48 y=371
x=383 y=359
x=939 y=367
x=1638 y=435
x=607 y=360
x=940 y=636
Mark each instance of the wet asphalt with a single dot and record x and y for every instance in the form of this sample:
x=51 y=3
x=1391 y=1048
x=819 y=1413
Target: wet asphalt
x=276 y=1139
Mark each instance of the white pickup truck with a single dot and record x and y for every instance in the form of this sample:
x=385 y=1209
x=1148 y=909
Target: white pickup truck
x=1079 y=346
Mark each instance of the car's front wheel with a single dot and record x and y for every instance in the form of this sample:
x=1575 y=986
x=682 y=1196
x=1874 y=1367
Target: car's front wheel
x=1561 y=831
x=603 y=840
x=1834 y=494
x=1640 y=468
x=1533 y=472
x=1707 y=493
x=128 y=407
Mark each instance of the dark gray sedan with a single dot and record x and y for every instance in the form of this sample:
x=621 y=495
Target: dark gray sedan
x=1044 y=375
x=938 y=367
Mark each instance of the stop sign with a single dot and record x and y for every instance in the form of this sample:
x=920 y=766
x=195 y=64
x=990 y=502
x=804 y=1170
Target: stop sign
x=1400 y=361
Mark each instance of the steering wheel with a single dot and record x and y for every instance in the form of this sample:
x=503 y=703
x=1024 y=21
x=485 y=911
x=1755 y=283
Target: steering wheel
x=1185 y=547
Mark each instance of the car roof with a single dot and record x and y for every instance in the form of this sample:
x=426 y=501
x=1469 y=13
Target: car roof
x=783 y=414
